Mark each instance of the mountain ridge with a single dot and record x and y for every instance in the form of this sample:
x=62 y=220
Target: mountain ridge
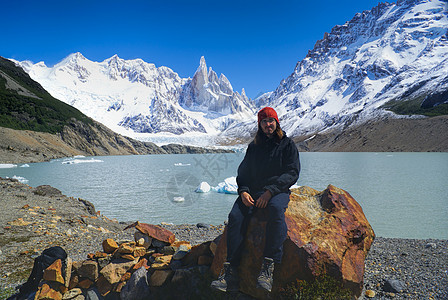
x=36 y=127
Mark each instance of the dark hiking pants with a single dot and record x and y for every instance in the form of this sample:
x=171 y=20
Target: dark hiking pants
x=276 y=228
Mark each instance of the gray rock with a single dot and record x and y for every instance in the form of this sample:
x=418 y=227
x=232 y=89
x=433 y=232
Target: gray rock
x=93 y=294
x=181 y=274
x=394 y=286
x=137 y=287
x=431 y=245
x=158 y=244
x=181 y=252
x=46 y=190
x=168 y=250
x=203 y=225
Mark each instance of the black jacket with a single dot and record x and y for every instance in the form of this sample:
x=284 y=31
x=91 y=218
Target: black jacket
x=270 y=165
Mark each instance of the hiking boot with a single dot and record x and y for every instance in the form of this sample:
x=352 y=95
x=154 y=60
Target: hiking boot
x=227 y=280
x=265 y=278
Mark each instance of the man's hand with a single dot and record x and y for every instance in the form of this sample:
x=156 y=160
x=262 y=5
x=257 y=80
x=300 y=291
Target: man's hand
x=264 y=199
x=247 y=199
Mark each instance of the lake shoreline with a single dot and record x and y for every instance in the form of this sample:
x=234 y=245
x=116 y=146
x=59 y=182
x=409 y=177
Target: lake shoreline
x=38 y=218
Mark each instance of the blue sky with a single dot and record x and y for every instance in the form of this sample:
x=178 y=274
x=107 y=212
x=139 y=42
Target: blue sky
x=254 y=43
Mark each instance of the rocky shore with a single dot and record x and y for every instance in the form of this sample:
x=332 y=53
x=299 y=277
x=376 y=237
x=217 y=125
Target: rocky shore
x=34 y=219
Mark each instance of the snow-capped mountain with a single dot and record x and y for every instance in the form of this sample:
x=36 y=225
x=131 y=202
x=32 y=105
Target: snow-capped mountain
x=138 y=99
x=396 y=51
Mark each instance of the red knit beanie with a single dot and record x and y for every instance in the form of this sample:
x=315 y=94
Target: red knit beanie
x=267 y=112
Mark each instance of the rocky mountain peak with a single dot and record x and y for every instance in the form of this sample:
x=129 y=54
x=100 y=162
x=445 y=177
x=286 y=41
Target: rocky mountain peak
x=391 y=52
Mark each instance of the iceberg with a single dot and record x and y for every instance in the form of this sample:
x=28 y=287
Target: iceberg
x=229 y=186
x=7 y=166
x=203 y=187
x=80 y=161
x=178 y=199
x=20 y=179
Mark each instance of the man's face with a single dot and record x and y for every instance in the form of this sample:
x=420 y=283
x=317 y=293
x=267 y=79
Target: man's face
x=268 y=126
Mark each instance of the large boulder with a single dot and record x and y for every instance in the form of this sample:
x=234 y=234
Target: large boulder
x=328 y=235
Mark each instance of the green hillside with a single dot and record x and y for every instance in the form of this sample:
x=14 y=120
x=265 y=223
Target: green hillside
x=427 y=105
x=25 y=105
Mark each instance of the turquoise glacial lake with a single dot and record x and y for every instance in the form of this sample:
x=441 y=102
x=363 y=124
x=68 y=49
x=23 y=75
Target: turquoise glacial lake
x=403 y=195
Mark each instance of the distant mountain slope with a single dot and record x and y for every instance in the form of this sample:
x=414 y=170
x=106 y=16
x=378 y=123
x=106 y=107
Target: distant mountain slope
x=34 y=126
x=24 y=104
x=393 y=57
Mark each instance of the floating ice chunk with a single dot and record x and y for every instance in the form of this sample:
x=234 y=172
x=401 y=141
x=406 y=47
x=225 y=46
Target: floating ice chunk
x=81 y=161
x=229 y=186
x=181 y=165
x=7 y=166
x=203 y=187
x=25 y=166
x=178 y=199
x=20 y=179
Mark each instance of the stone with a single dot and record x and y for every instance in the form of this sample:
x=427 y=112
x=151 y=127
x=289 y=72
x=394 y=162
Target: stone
x=72 y=294
x=177 y=244
x=143 y=262
x=119 y=287
x=126 y=276
x=431 y=245
x=102 y=262
x=214 y=244
x=158 y=244
x=161 y=262
x=47 y=190
x=128 y=256
x=328 y=235
x=85 y=283
x=154 y=231
x=181 y=274
x=45 y=292
x=103 y=286
x=74 y=281
x=54 y=272
x=109 y=246
x=159 y=277
x=89 y=269
x=394 y=286
x=68 y=271
x=125 y=248
x=93 y=294
x=168 y=250
x=370 y=294
x=137 y=287
x=99 y=254
x=203 y=225
x=113 y=271
x=142 y=239
x=139 y=251
x=181 y=252
x=191 y=259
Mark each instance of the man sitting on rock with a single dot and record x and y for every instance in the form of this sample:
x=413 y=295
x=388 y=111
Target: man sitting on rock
x=270 y=167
